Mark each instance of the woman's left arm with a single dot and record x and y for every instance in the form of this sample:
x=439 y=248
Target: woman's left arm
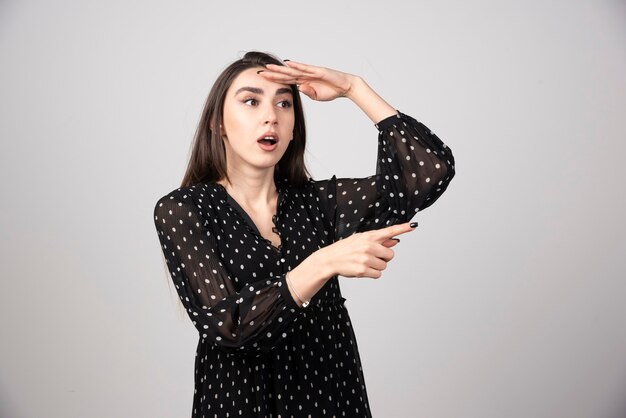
x=413 y=166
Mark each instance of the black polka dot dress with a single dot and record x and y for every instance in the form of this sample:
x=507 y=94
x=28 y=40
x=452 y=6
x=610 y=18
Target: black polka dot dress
x=259 y=353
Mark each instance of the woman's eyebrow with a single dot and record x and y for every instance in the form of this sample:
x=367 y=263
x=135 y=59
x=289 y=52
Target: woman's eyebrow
x=257 y=90
x=254 y=90
x=283 y=90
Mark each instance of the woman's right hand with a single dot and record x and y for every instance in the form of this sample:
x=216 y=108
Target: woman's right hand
x=364 y=254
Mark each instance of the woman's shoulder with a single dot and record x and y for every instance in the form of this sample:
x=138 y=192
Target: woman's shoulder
x=310 y=186
x=315 y=190
x=321 y=186
x=200 y=194
x=312 y=183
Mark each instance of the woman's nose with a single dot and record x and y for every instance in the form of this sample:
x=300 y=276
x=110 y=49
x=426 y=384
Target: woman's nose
x=270 y=115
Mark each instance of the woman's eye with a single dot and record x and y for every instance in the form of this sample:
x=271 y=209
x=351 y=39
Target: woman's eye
x=250 y=101
x=284 y=104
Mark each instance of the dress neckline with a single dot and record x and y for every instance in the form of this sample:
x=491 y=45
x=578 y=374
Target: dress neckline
x=247 y=220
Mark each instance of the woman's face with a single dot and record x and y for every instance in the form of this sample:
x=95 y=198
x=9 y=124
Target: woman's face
x=258 y=121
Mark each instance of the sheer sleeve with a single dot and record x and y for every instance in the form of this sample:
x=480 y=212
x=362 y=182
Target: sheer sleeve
x=254 y=318
x=414 y=167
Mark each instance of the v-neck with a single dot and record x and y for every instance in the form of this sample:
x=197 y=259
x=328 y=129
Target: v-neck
x=248 y=220
x=242 y=212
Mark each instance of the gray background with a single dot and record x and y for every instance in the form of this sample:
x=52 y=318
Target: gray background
x=508 y=301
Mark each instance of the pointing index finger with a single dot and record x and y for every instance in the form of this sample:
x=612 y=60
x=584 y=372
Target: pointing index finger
x=393 y=230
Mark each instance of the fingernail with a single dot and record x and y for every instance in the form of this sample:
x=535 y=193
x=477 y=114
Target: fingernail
x=413 y=224
x=396 y=239
x=286 y=60
x=260 y=71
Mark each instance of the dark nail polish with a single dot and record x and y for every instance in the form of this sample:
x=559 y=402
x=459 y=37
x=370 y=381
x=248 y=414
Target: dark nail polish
x=286 y=60
x=413 y=224
x=396 y=239
x=260 y=71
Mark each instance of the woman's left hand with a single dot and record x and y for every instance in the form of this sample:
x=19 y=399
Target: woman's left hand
x=318 y=83
x=323 y=84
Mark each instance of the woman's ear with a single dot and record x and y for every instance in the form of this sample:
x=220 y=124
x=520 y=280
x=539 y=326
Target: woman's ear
x=222 y=132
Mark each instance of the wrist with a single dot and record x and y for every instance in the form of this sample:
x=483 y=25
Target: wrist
x=323 y=263
x=374 y=106
x=306 y=279
x=295 y=295
x=356 y=84
x=318 y=266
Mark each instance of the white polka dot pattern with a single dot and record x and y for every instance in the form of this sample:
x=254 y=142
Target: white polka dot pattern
x=259 y=354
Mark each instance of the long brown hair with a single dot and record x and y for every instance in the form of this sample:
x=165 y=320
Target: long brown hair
x=208 y=155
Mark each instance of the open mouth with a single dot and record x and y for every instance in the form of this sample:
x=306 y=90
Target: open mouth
x=268 y=140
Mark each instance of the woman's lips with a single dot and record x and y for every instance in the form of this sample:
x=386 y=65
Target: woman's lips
x=267 y=146
x=268 y=142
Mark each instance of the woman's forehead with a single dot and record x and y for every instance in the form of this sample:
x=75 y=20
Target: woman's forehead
x=250 y=78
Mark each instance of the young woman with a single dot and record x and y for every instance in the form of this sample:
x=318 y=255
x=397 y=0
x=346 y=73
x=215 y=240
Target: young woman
x=254 y=246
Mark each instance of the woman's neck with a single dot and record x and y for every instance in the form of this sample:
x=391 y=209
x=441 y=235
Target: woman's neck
x=251 y=190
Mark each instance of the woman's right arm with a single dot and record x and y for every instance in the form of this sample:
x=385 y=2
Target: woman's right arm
x=364 y=254
x=254 y=318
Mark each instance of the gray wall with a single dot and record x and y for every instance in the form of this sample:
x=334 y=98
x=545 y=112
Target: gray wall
x=507 y=301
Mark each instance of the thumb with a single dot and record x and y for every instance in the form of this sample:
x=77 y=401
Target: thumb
x=308 y=91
